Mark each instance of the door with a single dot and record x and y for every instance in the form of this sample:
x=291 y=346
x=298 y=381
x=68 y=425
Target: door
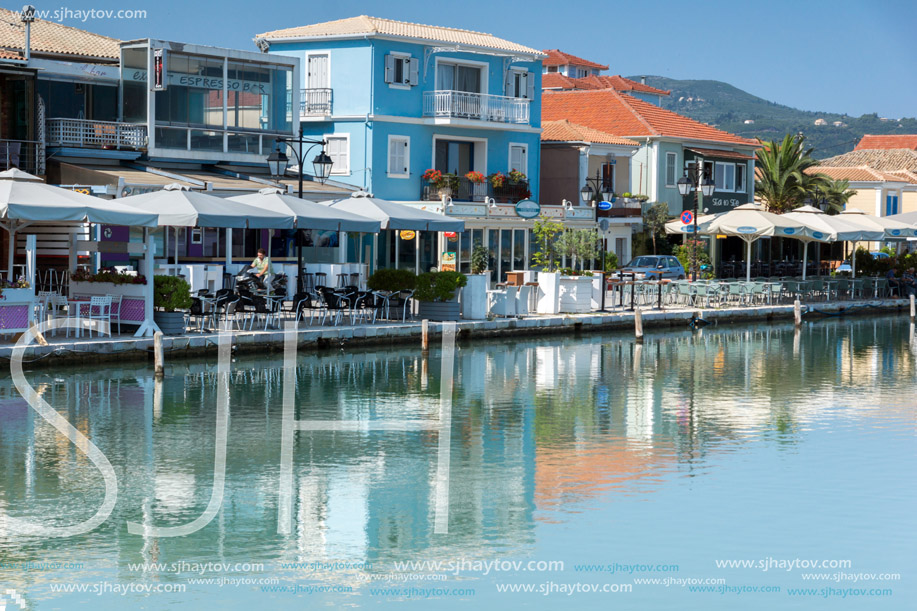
x=453 y=157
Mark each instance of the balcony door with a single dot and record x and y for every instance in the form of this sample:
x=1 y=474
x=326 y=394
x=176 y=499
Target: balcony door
x=317 y=74
x=456 y=77
x=454 y=157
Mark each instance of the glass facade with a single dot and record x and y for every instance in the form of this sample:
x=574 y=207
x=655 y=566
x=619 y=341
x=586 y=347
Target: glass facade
x=208 y=102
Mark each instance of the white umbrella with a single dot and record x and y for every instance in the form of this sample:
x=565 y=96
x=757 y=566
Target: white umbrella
x=831 y=226
x=751 y=222
x=177 y=206
x=679 y=228
x=891 y=229
x=26 y=199
x=308 y=214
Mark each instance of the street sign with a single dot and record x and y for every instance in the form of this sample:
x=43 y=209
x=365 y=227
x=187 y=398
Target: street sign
x=604 y=225
x=686 y=217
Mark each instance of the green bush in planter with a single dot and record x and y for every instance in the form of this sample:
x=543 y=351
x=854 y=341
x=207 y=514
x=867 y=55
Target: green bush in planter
x=392 y=280
x=171 y=293
x=439 y=286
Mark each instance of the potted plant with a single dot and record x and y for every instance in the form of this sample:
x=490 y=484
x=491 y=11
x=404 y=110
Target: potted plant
x=392 y=280
x=515 y=177
x=474 y=294
x=436 y=295
x=478 y=188
x=171 y=294
x=497 y=180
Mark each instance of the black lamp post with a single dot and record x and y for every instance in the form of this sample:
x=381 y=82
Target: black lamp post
x=691 y=181
x=594 y=189
x=277 y=161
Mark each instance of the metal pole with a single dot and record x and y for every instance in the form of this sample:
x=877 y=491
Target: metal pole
x=697 y=181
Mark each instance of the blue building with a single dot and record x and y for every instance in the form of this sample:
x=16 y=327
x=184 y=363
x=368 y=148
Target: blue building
x=395 y=99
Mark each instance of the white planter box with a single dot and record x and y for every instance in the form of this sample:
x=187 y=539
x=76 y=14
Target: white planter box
x=575 y=294
x=474 y=297
x=548 y=300
x=106 y=288
x=11 y=296
x=598 y=283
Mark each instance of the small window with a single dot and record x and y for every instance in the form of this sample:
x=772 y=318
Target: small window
x=338 y=148
x=518 y=158
x=670 y=177
x=725 y=176
x=740 y=177
x=401 y=70
x=399 y=156
x=552 y=68
x=608 y=177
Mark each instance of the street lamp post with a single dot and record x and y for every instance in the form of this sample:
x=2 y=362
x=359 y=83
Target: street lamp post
x=277 y=161
x=691 y=181
x=591 y=192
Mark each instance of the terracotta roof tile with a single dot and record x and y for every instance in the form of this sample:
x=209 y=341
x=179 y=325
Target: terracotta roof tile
x=4 y=54
x=886 y=160
x=911 y=177
x=565 y=131
x=856 y=174
x=556 y=57
x=902 y=141
x=48 y=37
x=609 y=111
x=554 y=80
x=374 y=26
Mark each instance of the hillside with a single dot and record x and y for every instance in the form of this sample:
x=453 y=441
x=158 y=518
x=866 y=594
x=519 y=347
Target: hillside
x=728 y=108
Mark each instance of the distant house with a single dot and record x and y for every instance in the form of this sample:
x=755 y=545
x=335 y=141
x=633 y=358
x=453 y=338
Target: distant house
x=571 y=153
x=839 y=124
x=902 y=141
x=669 y=145
x=749 y=121
x=893 y=164
x=576 y=74
x=820 y=122
x=877 y=192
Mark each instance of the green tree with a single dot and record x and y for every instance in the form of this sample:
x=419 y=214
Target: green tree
x=838 y=193
x=546 y=231
x=782 y=181
x=654 y=220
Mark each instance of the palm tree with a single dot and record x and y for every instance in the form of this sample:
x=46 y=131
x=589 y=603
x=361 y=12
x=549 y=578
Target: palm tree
x=837 y=193
x=782 y=180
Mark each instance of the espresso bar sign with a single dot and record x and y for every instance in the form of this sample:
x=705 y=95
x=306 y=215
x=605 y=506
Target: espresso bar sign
x=203 y=82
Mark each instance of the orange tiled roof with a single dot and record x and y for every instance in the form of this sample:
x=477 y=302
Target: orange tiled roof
x=48 y=37
x=856 y=174
x=4 y=54
x=565 y=131
x=615 y=113
x=903 y=141
x=554 y=80
x=907 y=175
x=556 y=57
x=884 y=160
x=374 y=26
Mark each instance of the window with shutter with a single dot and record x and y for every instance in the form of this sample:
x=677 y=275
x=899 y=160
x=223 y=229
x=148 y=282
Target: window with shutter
x=670 y=165
x=338 y=148
x=389 y=68
x=517 y=158
x=399 y=156
x=401 y=70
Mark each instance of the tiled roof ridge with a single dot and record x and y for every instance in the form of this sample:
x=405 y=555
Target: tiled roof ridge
x=633 y=110
x=572 y=59
x=585 y=133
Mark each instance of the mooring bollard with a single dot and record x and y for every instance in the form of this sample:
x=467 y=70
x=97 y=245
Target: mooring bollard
x=425 y=335
x=912 y=308
x=797 y=313
x=638 y=324
x=158 y=364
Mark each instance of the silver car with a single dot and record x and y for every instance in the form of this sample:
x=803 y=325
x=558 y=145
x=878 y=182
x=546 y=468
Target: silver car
x=665 y=266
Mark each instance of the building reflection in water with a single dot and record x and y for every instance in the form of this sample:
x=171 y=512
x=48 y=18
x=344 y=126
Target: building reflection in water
x=540 y=427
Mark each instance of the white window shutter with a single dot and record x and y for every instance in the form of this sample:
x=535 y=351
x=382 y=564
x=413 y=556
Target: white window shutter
x=389 y=68
x=529 y=86
x=508 y=84
x=414 y=71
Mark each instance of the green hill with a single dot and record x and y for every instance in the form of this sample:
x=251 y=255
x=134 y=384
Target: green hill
x=728 y=108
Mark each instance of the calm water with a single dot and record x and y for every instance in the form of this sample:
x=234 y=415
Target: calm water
x=619 y=463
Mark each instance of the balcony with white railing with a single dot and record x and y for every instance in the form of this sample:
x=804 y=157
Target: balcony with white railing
x=314 y=102
x=84 y=133
x=476 y=106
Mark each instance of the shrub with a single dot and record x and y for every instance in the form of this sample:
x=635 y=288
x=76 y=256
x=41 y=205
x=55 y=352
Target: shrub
x=479 y=258
x=439 y=286
x=171 y=293
x=392 y=280
x=611 y=261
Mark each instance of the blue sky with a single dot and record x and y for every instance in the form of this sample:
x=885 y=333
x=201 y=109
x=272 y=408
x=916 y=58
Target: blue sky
x=841 y=56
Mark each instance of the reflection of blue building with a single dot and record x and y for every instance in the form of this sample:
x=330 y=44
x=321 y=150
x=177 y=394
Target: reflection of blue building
x=394 y=100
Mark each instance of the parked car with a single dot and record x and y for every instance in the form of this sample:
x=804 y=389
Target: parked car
x=878 y=254
x=669 y=266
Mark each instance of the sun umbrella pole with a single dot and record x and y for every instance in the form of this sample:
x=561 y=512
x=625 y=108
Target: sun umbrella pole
x=12 y=255
x=748 y=262
x=805 y=252
x=417 y=253
x=395 y=234
x=853 y=260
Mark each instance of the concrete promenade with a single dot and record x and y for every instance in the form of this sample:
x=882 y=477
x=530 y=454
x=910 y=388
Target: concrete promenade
x=62 y=350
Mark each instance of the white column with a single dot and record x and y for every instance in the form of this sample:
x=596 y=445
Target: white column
x=72 y=255
x=12 y=254
x=228 y=241
x=148 y=327
x=417 y=252
x=342 y=247
x=31 y=250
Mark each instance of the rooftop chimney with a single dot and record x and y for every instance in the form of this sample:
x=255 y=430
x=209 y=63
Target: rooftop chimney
x=643 y=80
x=27 y=16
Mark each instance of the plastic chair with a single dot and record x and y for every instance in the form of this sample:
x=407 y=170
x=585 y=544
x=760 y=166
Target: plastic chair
x=100 y=309
x=523 y=297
